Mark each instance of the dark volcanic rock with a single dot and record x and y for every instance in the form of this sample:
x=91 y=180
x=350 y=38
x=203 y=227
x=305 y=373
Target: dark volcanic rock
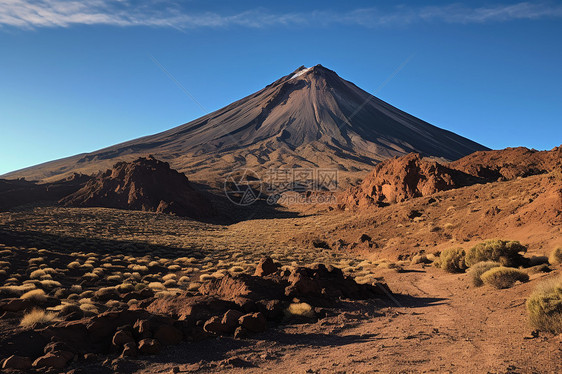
x=144 y=184
x=255 y=322
x=265 y=267
x=149 y=346
x=17 y=362
x=14 y=192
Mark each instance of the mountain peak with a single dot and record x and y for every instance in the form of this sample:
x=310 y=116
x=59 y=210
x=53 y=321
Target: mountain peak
x=316 y=70
x=309 y=118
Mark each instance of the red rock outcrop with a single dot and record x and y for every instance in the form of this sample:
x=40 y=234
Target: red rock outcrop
x=145 y=184
x=509 y=163
x=402 y=178
x=410 y=176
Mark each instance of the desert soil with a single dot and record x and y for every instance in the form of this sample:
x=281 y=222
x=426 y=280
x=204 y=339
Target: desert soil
x=443 y=326
x=440 y=323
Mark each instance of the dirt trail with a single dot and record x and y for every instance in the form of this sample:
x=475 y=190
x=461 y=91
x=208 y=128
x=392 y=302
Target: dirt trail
x=443 y=326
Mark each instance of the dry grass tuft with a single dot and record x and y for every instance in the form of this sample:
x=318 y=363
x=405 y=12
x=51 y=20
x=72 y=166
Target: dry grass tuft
x=37 y=317
x=544 y=306
x=504 y=277
x=555 y=257
x=35 y=295
x=480 y=268
x=300 y=310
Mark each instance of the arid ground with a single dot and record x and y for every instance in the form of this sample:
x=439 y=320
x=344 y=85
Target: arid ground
x=434 y=321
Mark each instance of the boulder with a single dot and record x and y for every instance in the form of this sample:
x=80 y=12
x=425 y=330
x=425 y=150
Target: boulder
x=168 y=335
x=17 y=363
x=265 y=267
x=149 y=346
x=142 y=329
x=230 y=320
x=214 y=325
x=129 y=350
x=55 y=360
x=15 y=305
x=121 y=338
x=254 y=322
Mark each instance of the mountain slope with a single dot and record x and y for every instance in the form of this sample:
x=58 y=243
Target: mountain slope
x=310 y=118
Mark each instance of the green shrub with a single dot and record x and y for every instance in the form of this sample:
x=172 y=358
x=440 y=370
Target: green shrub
x=505 y=252
x=555 y=257
x=480 y=268
x=452 y=260
x=544 y=306
x=503 y=277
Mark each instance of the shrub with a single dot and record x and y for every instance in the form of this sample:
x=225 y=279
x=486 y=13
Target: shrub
x=480 y=268
x=48 y=283
x=420 y=259
x=300 y=309
x=503 y=277
x=452 y=260
x=16 y=291
x=555 y=257
x=544 y=306
x=505 y=252
x=543 y=268
x=35 y=295
x=37 y=317
x=37 y=274
x=125 y=287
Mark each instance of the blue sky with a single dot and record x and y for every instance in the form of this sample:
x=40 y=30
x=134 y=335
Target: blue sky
x=76 y=76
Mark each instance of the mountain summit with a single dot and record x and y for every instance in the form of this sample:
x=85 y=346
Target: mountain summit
x=309 y=118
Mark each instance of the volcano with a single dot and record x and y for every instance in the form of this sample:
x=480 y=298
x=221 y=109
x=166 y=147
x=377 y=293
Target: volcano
x=309 y=118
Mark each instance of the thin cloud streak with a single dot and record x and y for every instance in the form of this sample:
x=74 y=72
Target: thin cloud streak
x=165 y=14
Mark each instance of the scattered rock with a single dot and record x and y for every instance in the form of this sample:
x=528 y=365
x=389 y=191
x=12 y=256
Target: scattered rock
x=230 y=320
x=265 y=267
x=56 y=360
x=142 y=328
x=241 y=333
x=214 y=325
x=149 y=346
x=236 y=362
x=121 y=338
x=365 y=238
x=129 y=350
x=254 y=322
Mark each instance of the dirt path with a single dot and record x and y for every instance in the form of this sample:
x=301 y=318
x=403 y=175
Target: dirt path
x=443 y=326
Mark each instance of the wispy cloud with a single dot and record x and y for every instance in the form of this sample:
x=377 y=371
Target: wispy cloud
x=163 y=13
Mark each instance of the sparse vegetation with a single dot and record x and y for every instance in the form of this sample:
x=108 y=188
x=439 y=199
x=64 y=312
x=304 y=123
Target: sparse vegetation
x=480 y=268
x=35 y=295
x=508 y=253
x=555 y=257
x=452 y=260
x=544 y=306
x=503 y=277
x=300 y=310
x=37 y=317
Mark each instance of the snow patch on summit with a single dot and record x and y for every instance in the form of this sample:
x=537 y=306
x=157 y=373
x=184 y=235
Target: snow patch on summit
x=300 y=73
